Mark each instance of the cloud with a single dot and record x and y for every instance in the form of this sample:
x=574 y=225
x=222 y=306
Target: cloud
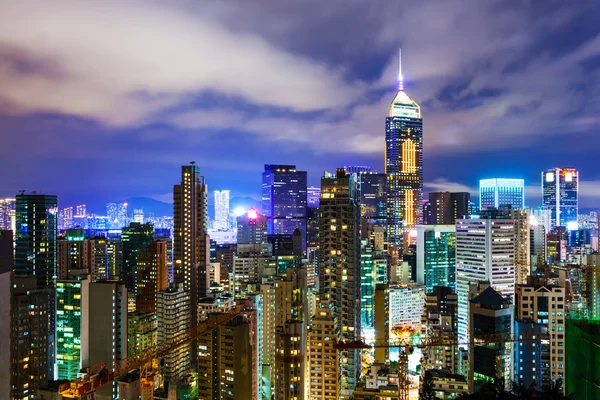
x=120 y=62
x=444 y=185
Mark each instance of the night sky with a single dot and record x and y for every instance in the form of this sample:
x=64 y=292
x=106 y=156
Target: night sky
x=102 y=100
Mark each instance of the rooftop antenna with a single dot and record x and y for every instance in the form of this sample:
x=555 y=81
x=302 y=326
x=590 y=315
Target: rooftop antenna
x=192 y=162
x=400 y=78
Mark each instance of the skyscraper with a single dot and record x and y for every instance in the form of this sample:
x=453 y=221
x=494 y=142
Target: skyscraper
x=372 y=189
x=404 y=167
x=36 y=252
x=151 y=276
x=560 y=187
x=284 y=199
x=191 y=245
x=498 y=192
x=446 y=207
x=339 y=264
x=135 y=238
x=221 y=210
x=252 y=228
x=484 y=252
x=7 y=214
x=436 y=256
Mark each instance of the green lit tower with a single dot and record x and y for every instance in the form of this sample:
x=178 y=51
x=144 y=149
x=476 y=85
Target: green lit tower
x=404 y=168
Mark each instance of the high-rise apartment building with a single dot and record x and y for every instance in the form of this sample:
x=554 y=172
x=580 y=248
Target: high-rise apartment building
x=522 y=221
x=403 y=166
x=444 y=208
x=6 y=272
x=545 y=305
x=323 y=357
x=560 y=188
x=436 y=256
x=7 y=214
x=498 y=192
x=313 y=195
x=290 y=359
x=339 y=264
x=75 y=254
x=284 y=199
x=30 y=356
x=151 y=276
x=252 y=228
x=173 y=322
x=484 y=252
x=406 y=303
x=108 y=258
x=191 y=244
x=221 y=210
x=107 y=329
x=142 y=332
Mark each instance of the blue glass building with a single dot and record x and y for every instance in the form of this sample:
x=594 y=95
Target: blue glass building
x=498 y=192
x=436 y=256
x=284 y=200
x=560 y=187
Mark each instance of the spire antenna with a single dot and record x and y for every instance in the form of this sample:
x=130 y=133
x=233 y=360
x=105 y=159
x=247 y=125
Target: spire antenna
x=400 y=78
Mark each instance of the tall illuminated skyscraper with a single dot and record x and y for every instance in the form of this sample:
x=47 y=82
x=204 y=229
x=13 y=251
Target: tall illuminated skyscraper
x=403 y=166
x=7 y=214
x=284 y=200
x=498 y=192
x=191 y=245
x=221 y=209
x=339 y=264
x=560 y=187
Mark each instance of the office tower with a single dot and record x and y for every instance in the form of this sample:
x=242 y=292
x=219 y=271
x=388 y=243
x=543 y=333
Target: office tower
x=323 y=357
x=112 y=212
x=358 y=169
x=142 y=332
x=252 y=228
x=339 y=264
x=75 y=254
x=313 y=194
x=138 y=215
x=135 y=238
x=528 y=353
x=381 y=321
x=6 y=269
x=31 y=307
x=122 y=217
x=174 y=322
x=151 y=276
x=545 y=305
x=221 y=210
x=490 y=314
x=7 y=214
x=436 y=256
x=560 y=188
x=498 y=192
x=108 y=258
x=191 y=244
x=35 y=251
x=372 y=191
x=582 y=353
x=72 y=328
x=406 y=307
x=403 y=166
x=250 y=265
x=290 y=361
x=65 y=218
x=484 y=252
x=446 y=207
x=284 y=199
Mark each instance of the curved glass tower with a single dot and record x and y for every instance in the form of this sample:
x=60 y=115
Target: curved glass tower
x=404 y=167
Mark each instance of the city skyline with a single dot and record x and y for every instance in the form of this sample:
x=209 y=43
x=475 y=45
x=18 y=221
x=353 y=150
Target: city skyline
x=464 y=94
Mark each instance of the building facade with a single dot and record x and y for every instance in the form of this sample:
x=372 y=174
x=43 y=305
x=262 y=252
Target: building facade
x=498 y=192
x=444 y=208
x=485 y=251
x=436 y=256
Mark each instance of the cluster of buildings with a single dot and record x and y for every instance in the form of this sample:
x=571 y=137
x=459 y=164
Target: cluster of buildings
x=323 y=293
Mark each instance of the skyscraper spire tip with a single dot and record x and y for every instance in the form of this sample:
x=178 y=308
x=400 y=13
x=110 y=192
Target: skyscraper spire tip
x=400 y=78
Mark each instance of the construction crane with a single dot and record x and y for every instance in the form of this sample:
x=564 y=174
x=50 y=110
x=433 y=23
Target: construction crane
x=146 y=362
x=408 y=344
